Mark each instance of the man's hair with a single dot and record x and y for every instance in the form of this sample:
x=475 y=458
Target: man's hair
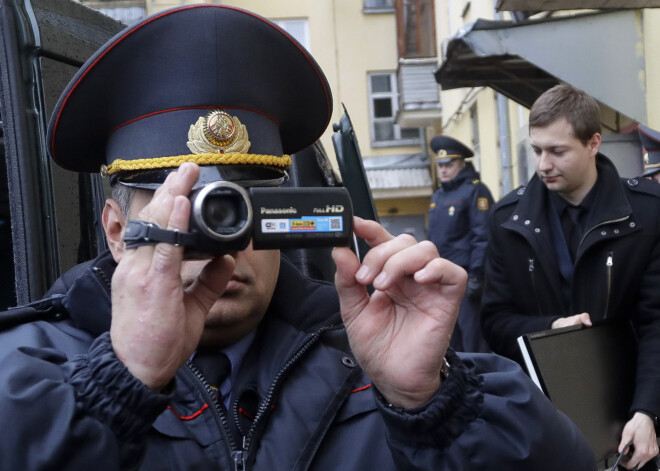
x=565 y=101
x=123 y=195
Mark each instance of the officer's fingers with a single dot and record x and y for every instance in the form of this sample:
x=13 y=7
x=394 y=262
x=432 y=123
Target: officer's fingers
x=180 y=181
x=166 y=259
x=177 y=183
x=379 y=255
x=159 y=212
x=371 y=231
x=444 y=272
x=352 y=295
x=407 y=261
x=209 y=285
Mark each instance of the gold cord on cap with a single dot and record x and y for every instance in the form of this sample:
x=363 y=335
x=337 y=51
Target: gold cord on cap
x=442 y=154
x=202 y=159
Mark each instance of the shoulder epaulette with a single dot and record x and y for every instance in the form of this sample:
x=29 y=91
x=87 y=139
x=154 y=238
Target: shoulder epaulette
x=49 y=309
x=512 y=196
x=642 y=185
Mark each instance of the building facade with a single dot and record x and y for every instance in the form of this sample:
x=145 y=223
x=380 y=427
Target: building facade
x=406 y=70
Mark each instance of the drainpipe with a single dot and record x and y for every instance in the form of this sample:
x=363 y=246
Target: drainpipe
x=504 y=127
x=505 y=144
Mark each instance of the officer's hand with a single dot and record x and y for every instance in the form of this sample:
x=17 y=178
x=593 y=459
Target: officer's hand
x=400 y=333
x=641 y=432
x=577 y=319
x=156 y=324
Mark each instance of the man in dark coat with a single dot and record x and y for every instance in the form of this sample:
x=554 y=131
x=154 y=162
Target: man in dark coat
x=545 y=271
x=458 y=216
x=306 y=375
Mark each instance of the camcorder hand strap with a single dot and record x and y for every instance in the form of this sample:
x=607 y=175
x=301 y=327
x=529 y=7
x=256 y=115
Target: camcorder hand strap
x=147 y=233
x=49 y=309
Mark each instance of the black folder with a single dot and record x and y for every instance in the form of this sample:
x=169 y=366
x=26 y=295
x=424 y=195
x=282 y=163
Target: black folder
x=589 y=374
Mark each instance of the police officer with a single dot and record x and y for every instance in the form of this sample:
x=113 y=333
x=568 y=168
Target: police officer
x=650 y=139
x=457 y=225
x=306 y=375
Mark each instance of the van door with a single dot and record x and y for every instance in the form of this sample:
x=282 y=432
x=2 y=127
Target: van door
x=49 y=217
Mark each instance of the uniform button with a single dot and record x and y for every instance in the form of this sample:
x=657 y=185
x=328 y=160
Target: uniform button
x=515 y=217
x=521 y=191
x=537 y=230
x=527 y=221
x=632 y=224
x=348 y=361
x=616 y=231
x=603 y=233
x=633 y=182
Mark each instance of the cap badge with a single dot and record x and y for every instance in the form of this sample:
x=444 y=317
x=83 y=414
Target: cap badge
x=218 y=133
x=442 y=153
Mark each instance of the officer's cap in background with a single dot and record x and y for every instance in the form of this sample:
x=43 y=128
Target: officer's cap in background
x=447 y=149
x=651 y=142
x=212 y=84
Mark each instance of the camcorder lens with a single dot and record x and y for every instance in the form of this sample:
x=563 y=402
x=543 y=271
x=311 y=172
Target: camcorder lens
x=224 y=211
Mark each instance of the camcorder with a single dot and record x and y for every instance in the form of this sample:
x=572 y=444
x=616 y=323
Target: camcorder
x=224 y=217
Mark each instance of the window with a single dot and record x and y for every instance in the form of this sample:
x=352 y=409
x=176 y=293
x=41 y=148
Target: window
x=299 y=29
x=378 y=6
x=383 y=106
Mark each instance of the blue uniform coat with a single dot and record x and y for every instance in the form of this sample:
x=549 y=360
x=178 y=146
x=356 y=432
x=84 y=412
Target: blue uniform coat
x=68 y=403
x=458 y=220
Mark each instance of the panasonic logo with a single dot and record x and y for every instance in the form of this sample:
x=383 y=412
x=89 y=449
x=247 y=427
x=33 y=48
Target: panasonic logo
x=289 y=210
x=331 y=208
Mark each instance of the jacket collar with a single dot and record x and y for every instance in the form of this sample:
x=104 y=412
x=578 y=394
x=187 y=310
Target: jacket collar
x=612 y=203
x=467 y=173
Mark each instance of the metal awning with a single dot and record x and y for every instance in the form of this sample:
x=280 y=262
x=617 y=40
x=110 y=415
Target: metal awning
x=601 y=53
x=550 y=5
x=399 y=176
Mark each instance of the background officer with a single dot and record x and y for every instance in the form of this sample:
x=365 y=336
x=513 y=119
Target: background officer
x=651 y=142
x=457 y=225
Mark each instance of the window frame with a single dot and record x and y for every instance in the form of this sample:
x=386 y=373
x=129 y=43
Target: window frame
x=284 y=22
x=378 y=6
x=393 y=95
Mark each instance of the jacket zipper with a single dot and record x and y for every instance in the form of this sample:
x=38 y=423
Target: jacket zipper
x=240 y=455
x=613 y=221
x=533 y=279
x=608 y=264
x=265 y=405
x=101 y=276
x=236 y=453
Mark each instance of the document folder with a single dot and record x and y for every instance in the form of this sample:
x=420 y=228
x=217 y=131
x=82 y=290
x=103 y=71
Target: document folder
x=589 y=374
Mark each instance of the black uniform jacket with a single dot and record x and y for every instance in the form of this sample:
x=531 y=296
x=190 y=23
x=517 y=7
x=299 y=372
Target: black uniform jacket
x=300 y=401
x=616 y=272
